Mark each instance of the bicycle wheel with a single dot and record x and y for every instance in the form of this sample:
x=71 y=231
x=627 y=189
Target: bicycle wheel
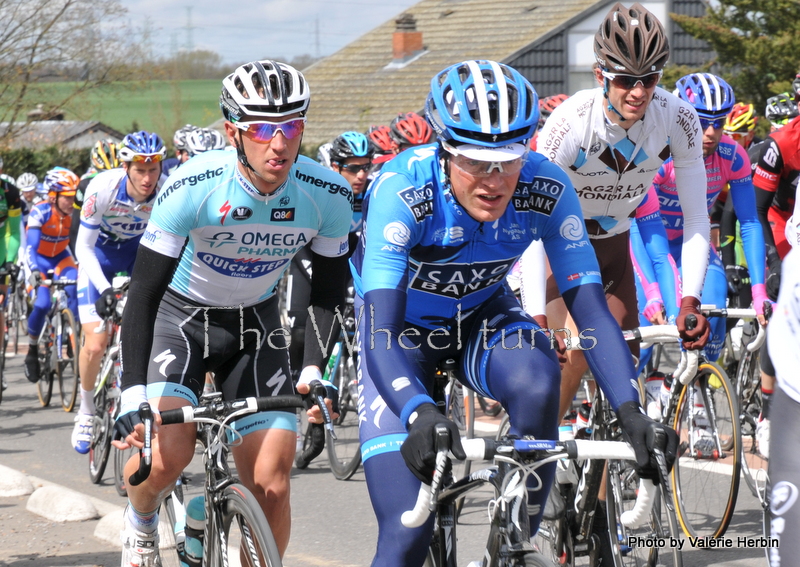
x=705 y=478
x=172 y=513
x=102 y=431
x=344 y=453
x=245 y=534
x=44 y=386
x=630 y=546
x=16 y=321
x=554 y=538
x=754 y=464
x=67 y=347
x=120 y=458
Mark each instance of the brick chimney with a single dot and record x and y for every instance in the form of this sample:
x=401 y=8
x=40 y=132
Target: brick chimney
x=406 y=40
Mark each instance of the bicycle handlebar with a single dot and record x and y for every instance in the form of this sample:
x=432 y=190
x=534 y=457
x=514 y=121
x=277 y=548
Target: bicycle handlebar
x=219 y=409
x=580 y=449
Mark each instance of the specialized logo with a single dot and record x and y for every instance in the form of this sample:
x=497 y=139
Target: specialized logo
x=242 y=213
x=458 y=280
x=224 y=209
x=241 y=267
x=192 y=180
x=397 y=233
x=282 y=215
x=539 y=195
x=418 y=200
x=164 y=359
x=572 y=228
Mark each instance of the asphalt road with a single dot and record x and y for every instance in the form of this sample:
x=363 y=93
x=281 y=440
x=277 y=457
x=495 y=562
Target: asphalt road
x=333 y=524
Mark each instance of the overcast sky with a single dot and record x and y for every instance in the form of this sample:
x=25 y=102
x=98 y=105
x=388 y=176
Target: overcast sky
x=244 y=30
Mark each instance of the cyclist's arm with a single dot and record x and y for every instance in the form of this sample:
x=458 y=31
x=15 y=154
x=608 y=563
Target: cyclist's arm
x=383 y=282
x=95 y=204
x=33 y=236
x=766 y=178
x=13 y=234
x=744 y=204
x=727 y=234
x=328 y=285
x=690 y=183
x=577 y=273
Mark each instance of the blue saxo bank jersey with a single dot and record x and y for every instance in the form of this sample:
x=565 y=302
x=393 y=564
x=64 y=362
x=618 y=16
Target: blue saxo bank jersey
x=240 y=241
x=447 y=262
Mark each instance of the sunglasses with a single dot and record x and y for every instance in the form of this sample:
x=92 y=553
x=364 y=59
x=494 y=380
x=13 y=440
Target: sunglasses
x=736 y=136
x=147 y=158
x=628 y=82
x=716 y=124
x=263 y=132
x=356 y=168
x=478 y=168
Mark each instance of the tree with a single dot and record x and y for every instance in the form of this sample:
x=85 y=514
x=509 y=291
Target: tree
x=80 y=43
x=757 y=44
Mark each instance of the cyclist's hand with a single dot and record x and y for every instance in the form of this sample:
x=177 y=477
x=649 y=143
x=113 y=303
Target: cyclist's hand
x=419 y=449
x=773 y=276
x=35 y=279
x=311 y=374
x=106 y=303
x=695 y=338
x=128 y=429
x=654 y=311
x=640 y=432
x=736 y=276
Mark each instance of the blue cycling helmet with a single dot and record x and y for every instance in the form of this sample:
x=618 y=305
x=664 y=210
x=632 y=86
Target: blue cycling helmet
x=710 y=95
x=142 y=147
x=482 y=103
x=350 y=144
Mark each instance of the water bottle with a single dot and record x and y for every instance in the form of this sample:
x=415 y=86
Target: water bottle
x=330 y=369
x=193 y=542
x=653 y=394
x=666 y=384
x=582 y=421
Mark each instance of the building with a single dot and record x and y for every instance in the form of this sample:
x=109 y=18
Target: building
x=67 y=134
x=388 y=70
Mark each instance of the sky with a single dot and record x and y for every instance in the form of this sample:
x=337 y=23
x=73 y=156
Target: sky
x=245 y=30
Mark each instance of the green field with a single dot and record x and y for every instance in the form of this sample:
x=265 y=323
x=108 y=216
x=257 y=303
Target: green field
x=160 y=106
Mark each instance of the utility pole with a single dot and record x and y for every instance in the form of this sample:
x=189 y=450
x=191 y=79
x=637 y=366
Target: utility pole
x=189 y=29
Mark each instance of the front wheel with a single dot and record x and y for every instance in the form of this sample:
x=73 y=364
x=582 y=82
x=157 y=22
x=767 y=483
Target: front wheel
x=245 y=536
x=67 y=347
x=344 y=453
x=121 y=456
x=705 y=478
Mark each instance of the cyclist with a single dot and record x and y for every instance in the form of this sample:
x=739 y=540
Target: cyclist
x=181 y=153
x=611 y=141
x=27 y=184
x=446 y=222
x=10 y=217
x=113 y=218
x=222 y=232
x=740 y=125
x=103 y=156
x=47 y=249
x=780 y=110
x=385 y=146
x=409 y=130
x=546 y=107
x=202 y=140
x=351 y=156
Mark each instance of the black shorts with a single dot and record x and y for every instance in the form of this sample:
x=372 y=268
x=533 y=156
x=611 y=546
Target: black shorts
x=245 y=348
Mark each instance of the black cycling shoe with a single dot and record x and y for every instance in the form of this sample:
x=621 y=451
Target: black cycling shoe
x=32 y=364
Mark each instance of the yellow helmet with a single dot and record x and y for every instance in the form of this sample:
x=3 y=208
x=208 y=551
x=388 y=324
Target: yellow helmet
x=741 y=119
x=104 y=155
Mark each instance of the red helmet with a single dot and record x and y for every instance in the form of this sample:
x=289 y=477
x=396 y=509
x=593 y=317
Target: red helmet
x=381 y=138
x=411 y=129
x=548 y=104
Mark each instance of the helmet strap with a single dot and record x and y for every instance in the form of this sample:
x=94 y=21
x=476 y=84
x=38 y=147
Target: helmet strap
x=611 y=106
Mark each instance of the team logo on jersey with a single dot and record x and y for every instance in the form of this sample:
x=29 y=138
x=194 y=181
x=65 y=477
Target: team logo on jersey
x=224 y=209
x=418 y=200
x=282 y=215
x=90 y=206
x=458 y=280
x=241 y=267
x=284 y=200
x=242 y=213
x=539 y=195
x=572 y=228
x=397 y=233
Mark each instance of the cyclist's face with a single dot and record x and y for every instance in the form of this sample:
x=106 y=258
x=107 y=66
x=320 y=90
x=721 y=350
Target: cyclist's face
x=711 y=138
x=272 y=161
x=29 y=195
x=64 y=204
x=631 y=103
x=183 y=156
x=357 y=179
x=143 y=179
x=484 y=198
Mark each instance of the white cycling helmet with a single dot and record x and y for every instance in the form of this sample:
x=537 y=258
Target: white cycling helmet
x=263 y=89
x=179 y=139
x=27 y=182
x=202 y=140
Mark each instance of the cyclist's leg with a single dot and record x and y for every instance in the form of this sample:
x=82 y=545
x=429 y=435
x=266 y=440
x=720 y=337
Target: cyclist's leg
x=784 y=475
x=715 y=292
x=260 y=368
x=381 y=435
x=516 y=365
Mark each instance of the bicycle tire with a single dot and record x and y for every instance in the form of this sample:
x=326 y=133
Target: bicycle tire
x=554 y=540
x=705 y=489
x=344 y=453
x=754 y=465
x=242 y=520
x=168 y=548
x=121 y=456
x=622 y=483
x=102 y=430
x=67 y=359
x=15 y=319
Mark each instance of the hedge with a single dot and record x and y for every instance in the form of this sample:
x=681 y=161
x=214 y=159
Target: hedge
x=17 y=162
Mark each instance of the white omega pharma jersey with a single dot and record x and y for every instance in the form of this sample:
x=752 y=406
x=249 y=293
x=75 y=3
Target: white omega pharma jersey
x=239 y=240
x=783 y=336
x=613 y=168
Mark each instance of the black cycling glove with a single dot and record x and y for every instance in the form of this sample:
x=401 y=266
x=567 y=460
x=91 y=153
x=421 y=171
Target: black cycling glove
x=106 y=303
x=419 y=449
x=641 y=432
